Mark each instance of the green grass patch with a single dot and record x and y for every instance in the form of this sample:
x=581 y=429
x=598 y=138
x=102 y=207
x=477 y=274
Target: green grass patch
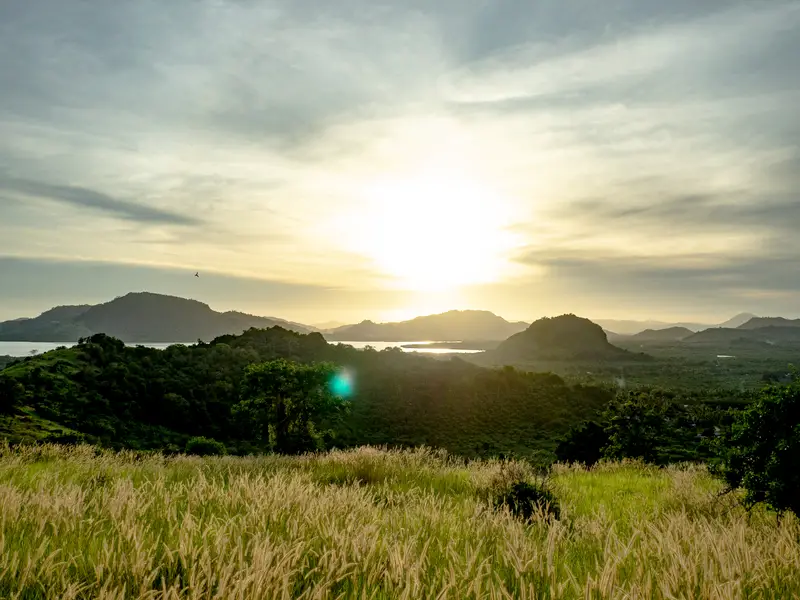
x=76 y=522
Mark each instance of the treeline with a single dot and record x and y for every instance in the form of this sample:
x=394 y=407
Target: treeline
x=143 y=398
x=655 y=425
x=754 y=447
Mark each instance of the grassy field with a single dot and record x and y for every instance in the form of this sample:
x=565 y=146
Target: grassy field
x=80 y=523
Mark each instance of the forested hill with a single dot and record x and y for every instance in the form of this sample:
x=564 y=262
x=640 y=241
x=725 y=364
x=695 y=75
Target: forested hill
x=454 y=325
x=566 y=337
x=139 y=397
x=138 y=318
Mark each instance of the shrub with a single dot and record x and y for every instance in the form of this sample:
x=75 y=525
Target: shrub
x=203 y=446
x=11 y=394
x=513 y=487
x=761 y=451
x=583 y=443
x=525 y=500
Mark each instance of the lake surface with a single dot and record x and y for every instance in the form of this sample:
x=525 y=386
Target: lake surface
x=28 y=348
x=385 y=345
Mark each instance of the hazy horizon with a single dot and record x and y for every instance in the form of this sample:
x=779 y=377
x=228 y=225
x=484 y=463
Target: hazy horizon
x=402 y=316
x=356 y=160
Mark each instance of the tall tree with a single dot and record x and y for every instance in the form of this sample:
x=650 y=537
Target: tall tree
x=761 y=451
x=289 y=403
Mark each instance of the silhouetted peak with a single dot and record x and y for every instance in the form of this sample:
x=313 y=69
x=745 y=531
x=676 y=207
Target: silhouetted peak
x=150 y=298
x=566 y=336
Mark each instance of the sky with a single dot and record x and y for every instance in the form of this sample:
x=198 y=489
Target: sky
x=357 y=159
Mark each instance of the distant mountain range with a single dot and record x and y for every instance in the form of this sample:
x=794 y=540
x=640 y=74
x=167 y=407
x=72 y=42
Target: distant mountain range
x=670 y=334
x=756 y=332
x=151 y=318
x=328 y=325
x=455 y=325
x=769 y=335
x=138 y=318
x=761 y=322
x=634 y=327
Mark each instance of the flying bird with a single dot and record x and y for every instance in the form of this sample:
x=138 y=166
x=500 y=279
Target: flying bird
x=197 y=274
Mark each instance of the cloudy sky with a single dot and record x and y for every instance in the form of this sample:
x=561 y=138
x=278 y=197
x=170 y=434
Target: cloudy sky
x=358 y=159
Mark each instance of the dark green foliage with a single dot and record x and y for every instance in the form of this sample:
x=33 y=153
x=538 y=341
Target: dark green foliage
x=526 y=500
x=761 y=451
x=203 y=446
x=661 y=427
x=583 y=443
x=12 y=393
x=66 y=438
x=143 y=398
x=656 y=426
x=636 y=426
x=287 y=402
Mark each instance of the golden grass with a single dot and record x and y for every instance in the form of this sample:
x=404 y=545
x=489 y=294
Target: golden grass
x=77 y=523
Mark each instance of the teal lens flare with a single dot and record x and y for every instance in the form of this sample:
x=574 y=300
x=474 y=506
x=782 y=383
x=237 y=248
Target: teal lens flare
x=341 y=384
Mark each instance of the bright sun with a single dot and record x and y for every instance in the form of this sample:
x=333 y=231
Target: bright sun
x=435 y=231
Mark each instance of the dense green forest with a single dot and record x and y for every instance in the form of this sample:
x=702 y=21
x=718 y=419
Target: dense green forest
x=119 y=396
x=138 y=397
x=673 y=367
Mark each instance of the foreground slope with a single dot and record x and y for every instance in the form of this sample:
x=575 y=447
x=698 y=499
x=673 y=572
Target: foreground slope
x=372 y=524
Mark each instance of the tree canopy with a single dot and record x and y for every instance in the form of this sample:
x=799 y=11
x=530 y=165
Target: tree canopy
x=761 y=451
x=288 y=403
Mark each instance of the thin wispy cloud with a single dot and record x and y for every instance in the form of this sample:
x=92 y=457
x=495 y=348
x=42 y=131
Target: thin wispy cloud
x=95 y=201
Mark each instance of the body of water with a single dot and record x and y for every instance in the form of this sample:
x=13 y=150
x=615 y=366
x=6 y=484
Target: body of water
x=385 y=345
x=29 y=348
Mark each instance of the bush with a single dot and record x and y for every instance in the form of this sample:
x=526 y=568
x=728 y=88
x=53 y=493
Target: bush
x=11 y=394
x=515 y=488
x=525 y=500
x=202 y=446
x=583 y=443
x=761 y=451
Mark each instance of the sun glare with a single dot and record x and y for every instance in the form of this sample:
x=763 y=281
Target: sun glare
x=435 y=231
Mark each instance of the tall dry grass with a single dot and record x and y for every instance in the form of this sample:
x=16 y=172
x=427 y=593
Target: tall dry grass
x=77 y=523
